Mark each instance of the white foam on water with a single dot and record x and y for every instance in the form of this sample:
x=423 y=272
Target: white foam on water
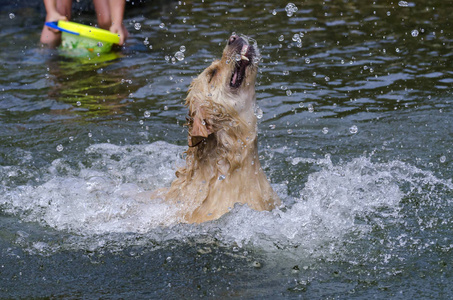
x=332 y=202
x=109 y=197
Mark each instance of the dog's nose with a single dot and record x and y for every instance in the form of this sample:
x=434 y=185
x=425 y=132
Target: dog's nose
x=232 y=39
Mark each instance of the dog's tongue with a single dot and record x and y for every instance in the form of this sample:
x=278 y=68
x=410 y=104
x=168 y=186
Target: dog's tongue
x=235 y=77
x=239 y=72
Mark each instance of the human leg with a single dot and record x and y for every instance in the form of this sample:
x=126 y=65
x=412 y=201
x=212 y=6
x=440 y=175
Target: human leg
x=56 y=10
x=102 y=9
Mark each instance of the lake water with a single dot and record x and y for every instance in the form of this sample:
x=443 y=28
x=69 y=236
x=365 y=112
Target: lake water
x=356 y=109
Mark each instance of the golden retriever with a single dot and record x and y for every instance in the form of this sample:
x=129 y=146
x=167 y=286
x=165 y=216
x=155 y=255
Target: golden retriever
x=222 y=166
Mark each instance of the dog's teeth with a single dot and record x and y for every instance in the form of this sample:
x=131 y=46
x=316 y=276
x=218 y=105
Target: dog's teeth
x=244 y=50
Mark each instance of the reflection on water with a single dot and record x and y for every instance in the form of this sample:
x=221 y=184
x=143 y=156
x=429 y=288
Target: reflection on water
x=90 y=84
x=355 y=134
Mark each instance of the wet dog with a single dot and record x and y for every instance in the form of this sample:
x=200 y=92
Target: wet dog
x=222 y=166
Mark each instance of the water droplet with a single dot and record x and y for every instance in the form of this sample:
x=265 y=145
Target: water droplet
x=90 y=134
x=182 y=48
x=307 y=60
x=60 y=148
x=146 y=42
x=237 y=57
x=137 y=26
x=221 y=177
x=141 y=122
x=325 y=130
x=12 y=16
x=71 y=138
x=290 y=131
x=184 y=20
x=301 y=104
x=272 y=126
x=179 y=56
x=310 y=108
x=165 y=107
x=443 y=159
x=79 y=103
x=274 y=12
x=259 y=113
x=162 y=25
x=281 y=38
x=288 y=93
x=147 y=114
x=290 y=8
x=397 y=50
x=403 y=4
x=327 y=78
x=100 y=44
x=296 y=38
x=414 y=33
x=353 y=129
x=388 y=14
x=286 y=72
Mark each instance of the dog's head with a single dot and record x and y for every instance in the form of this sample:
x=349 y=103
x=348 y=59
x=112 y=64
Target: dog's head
x=242 y=56
x=226 y=87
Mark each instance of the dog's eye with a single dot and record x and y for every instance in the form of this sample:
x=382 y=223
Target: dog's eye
x=212 y=74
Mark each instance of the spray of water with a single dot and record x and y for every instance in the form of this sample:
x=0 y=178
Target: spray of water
x=108 y=202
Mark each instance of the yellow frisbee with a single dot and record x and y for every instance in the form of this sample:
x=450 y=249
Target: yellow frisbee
x=91 y=32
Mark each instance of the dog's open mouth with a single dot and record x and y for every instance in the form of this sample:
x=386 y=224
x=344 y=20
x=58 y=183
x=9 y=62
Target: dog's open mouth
x=244 y=55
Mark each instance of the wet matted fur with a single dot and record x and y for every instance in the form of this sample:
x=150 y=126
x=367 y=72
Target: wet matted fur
x=222 y=166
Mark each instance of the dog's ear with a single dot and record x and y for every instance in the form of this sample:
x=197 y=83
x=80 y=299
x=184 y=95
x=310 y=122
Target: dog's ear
x=199 y=129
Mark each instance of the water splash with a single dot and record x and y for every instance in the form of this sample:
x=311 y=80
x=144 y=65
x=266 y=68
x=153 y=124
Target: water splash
x=111 y=195
x=108 y=202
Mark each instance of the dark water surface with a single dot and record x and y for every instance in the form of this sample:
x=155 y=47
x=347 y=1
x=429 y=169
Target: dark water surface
x=356 y=109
